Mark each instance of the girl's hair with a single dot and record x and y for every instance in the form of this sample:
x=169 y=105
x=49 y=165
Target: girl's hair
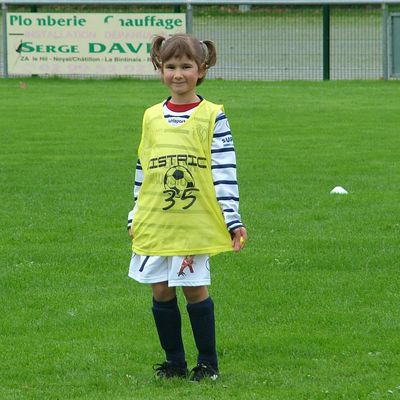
x=203 y=53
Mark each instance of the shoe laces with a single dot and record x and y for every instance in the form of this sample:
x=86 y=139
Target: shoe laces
x=168 y=370
x=202 y=370
x=164 y=367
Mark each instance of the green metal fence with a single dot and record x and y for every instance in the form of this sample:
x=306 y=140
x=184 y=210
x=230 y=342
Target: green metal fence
x=266 y=43
x=287 y=42
x=280 y=41
x=394 y=25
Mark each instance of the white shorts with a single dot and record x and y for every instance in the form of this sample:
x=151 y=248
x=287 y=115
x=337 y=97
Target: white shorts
x=176 y=270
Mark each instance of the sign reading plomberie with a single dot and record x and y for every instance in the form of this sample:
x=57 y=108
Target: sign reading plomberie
x=91 y=44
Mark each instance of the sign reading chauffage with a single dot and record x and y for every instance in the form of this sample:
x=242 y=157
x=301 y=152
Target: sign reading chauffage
x=88 y=44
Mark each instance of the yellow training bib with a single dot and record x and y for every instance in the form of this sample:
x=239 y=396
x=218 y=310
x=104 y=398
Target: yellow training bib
x=178 y=212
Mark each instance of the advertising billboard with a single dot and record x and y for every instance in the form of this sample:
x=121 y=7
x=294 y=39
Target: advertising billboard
x=86 y=44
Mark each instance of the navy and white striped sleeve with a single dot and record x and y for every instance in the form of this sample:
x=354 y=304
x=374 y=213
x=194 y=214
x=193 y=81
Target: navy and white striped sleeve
x=223 y=167
x=136 y=190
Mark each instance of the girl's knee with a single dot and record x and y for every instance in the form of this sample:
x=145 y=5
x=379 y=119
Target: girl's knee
x=162 y=292
x=195 y=294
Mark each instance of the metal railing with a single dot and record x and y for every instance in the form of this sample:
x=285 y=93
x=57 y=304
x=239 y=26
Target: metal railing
x=266 y=40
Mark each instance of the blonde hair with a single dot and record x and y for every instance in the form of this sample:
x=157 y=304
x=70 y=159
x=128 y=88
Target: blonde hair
x=203 y=53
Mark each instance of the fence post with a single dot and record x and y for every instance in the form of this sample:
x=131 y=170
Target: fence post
x=385 y=60
x=189 y=18
x=4 y=41
x=326 y=42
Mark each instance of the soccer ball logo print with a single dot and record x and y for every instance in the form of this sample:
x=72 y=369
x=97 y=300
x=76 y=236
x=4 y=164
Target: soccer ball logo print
x=179 y=184
x=178 y=178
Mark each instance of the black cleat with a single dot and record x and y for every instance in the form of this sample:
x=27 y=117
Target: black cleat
x=168 y=370
x=203 y=371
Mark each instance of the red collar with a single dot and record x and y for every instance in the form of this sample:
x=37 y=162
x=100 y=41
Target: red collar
x=181 y=107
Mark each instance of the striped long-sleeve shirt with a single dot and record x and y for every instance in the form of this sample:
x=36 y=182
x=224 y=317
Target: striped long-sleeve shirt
x=223 y=165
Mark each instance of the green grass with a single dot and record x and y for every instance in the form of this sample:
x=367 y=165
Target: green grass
x=308 y=311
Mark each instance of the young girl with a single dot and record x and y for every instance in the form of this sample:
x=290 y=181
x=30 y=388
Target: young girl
x=186 y=203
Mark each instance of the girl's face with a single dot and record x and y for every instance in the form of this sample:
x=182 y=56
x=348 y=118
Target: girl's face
x=181 y=75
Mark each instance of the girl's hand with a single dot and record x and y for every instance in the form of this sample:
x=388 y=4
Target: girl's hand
x=239 y=238
x=130 y=232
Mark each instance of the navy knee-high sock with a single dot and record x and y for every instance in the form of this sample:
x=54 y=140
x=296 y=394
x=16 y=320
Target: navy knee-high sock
x=168 y=322
x=203 y=326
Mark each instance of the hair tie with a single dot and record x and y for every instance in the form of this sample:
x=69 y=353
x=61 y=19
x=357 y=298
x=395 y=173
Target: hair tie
x=205 y=50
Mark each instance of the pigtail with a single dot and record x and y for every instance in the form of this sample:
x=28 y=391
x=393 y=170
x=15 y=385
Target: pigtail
x=155 y=52
x=210 y=51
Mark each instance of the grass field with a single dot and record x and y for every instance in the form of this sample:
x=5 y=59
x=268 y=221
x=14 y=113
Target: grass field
x=310 y=310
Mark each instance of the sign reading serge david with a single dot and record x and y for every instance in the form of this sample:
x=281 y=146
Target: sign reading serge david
x=92 y=44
